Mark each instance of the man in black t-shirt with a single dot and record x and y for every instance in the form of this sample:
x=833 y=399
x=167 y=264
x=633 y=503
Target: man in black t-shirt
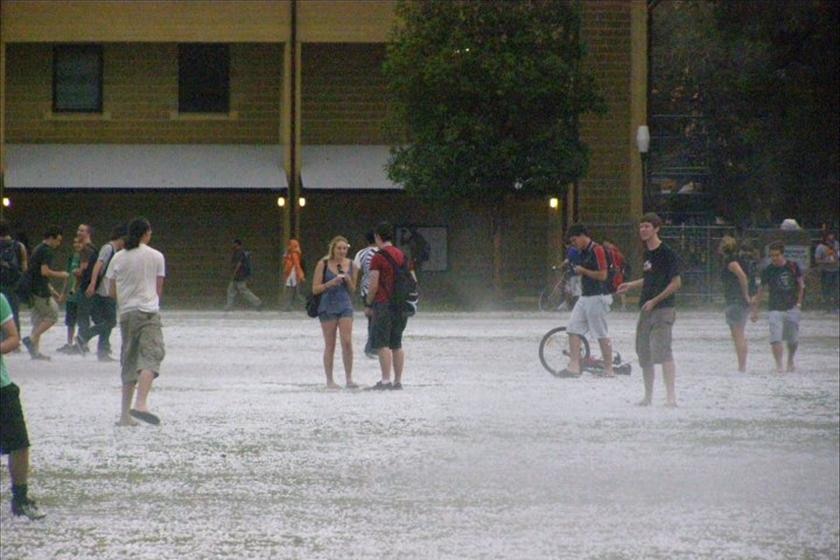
x=44 y=306
x=660 y=282
x=87 y=260
x=783 y=280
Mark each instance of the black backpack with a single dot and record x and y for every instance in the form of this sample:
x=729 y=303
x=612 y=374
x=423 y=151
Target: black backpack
x=406 y=295
x=10 y=271
x=247 y=264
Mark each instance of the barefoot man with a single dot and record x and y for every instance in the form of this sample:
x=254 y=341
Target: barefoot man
x=136 y=278
x=661 y=280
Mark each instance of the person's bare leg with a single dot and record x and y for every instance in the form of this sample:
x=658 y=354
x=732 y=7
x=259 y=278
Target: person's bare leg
x=386 y=359
x=127 y=395
x=791 y=367
x=648 y=375
x=329 y=329
x=607 y=356
x=144 y=387
x=19 y=466
x=669 y=376
x=399 y=362
x=574 y=353
x=778 y=354
x=740 y=340
x=345 y=331
x=37 y=331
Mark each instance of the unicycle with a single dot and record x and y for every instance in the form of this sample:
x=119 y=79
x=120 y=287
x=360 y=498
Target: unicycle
x=554 y=353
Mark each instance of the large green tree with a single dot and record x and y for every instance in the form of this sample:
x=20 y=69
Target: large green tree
x=486 y=100
x=765 y=77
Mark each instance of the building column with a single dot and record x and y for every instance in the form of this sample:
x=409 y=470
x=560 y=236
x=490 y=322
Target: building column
x=638 y=100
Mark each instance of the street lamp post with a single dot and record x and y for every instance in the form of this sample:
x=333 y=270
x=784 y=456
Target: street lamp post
x=643 y=143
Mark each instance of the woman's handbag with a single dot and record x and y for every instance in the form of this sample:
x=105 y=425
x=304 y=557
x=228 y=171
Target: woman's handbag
x=313 y=301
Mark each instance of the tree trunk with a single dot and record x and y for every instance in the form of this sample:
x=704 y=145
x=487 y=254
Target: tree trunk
x=497 y=219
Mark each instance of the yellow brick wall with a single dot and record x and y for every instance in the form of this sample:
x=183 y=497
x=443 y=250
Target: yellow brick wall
x=140 y=90
x=604 y=191
x=343 y=94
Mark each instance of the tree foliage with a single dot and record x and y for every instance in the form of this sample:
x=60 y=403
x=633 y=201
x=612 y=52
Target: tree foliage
x=486 y=96
x=765 y=77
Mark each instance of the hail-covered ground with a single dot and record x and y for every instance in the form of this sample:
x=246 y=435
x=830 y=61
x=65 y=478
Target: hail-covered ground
x=482 y=455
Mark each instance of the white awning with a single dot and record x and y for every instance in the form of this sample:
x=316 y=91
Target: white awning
x=144 y=166
x=354 y=167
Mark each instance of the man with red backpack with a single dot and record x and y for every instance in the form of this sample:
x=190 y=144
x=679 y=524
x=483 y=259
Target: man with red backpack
x=618 y=269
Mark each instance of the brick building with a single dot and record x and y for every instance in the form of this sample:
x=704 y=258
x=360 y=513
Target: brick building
x=98 y=124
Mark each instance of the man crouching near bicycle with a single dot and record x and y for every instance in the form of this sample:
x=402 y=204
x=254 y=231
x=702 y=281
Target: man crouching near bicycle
x=590 y=311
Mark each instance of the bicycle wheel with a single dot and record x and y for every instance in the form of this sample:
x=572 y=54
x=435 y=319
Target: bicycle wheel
x=553 y=354
x=551 y=298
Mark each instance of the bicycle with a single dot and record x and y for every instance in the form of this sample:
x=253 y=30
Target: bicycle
x=554 y=355
x=559 y=295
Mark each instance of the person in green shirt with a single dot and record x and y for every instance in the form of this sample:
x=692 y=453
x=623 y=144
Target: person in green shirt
x=70 y=297
x=14 y=438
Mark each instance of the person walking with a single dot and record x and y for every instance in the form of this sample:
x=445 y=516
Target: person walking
x=14 y=438
x=103 y=307
x=293 y=274
x=388 y=322
x=783 y=280
x=660 y=281
x=590 y=311
x=736 y=293
x=362 y=262
x=135 y=277
x=70 y=298
x=44 y=296
x=84 y=305
x=827 y=258
x=240 y=262
x=334 y=279
x=14 y=263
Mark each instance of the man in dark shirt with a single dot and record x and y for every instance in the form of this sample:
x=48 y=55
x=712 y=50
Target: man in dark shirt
x=240 y=263
x=87 y=260
x=660 y=282
x=783 y=280
x=44 y=306
x=590 y=311
x=387 y=323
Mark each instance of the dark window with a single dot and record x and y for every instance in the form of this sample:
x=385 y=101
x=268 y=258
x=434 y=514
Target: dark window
x=203 y=78
x=77 y=79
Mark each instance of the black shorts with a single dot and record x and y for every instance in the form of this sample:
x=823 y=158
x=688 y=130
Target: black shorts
x=13 y=434
x=71 y=313
x=387 y=327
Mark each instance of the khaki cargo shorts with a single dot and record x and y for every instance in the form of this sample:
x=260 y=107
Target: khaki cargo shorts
x=44 y=309
x=142 y=344
x=653 y=336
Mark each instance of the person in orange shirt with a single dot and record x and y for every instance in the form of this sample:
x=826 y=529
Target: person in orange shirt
x=293 y=274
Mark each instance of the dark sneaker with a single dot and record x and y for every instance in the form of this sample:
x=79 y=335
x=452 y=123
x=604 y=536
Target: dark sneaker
x=105 y=358
x=80 y=345
x=396 y=387
x=41 y=357
x=29 y=346
x=27 y=509
x=66 y=349
x=380 y=386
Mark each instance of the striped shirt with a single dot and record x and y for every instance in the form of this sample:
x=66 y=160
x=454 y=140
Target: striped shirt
x=362 y=262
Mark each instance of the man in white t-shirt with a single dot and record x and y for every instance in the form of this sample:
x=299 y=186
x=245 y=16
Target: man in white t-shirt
x=136 y=276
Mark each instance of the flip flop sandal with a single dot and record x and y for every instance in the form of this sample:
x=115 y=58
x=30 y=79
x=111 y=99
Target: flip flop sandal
x=566 y=373
x=145 y=416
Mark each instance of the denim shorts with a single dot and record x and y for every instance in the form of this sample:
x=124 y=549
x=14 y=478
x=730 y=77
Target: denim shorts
x=325 y=317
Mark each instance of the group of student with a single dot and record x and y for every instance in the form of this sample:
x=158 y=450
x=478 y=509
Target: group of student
x=133 y=277
x=781 y=279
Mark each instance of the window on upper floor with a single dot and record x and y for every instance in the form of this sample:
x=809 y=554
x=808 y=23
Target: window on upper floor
x=77 y=79
x=203 y=78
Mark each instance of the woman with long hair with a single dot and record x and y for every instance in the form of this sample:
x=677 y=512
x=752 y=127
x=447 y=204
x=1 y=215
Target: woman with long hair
x=293 y=274
x=736 y=294
x=334 y=280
